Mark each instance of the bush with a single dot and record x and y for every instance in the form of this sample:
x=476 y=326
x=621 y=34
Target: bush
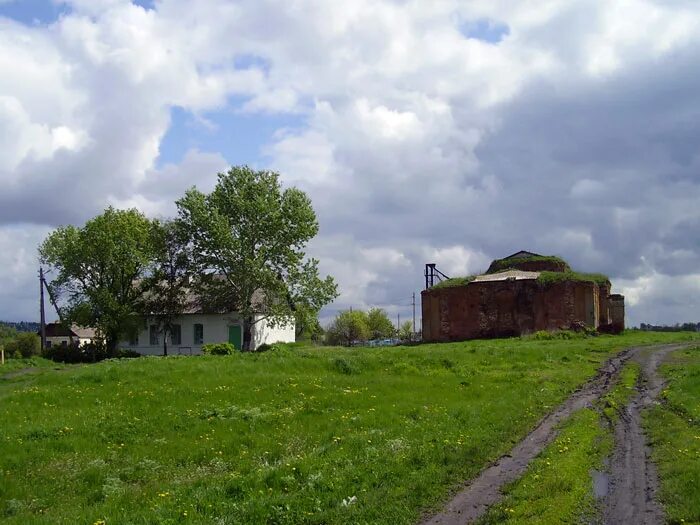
x=25 y=344
x=265 y=347
x=124 y=353
x=219 y=349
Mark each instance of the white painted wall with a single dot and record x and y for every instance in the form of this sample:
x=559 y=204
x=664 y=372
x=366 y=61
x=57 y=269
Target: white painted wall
x=60 y=340
x=263 y=333
x=215 y=331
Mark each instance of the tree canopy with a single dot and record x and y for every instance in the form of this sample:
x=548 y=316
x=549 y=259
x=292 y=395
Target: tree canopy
x=248 y=238
x=347 y=327
x=94 y=269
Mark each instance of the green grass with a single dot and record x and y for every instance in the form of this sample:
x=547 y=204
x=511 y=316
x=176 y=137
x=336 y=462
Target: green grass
x=455 y=281
x=500 y=265
x=549 y=278
x=620 y=395
x=557 y=486
x=280 y=437
x=13 y=365
x=674 y=431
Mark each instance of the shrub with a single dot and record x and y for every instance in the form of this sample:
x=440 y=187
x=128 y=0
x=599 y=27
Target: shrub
x=25 y=344
x=125 y=353
x=219 y=349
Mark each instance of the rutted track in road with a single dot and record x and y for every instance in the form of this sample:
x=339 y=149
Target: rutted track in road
x=485 y=490
x=633 y=479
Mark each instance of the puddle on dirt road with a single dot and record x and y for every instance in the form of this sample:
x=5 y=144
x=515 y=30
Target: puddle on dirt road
x=600 y=483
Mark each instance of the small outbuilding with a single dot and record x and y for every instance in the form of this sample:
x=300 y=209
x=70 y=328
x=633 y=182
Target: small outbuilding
x=519 y=294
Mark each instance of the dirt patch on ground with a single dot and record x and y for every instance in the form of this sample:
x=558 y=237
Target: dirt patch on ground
x=485 y=490
x=633 y=479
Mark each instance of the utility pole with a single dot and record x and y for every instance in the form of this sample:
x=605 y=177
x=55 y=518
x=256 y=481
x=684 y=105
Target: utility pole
x=398 y=322
x=414 y=312
x=41 y=308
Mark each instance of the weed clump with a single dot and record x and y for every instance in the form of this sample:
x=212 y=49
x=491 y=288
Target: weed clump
x=219 y=349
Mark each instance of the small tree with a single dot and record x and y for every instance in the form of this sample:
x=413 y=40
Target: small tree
x=25 y=344
x=165 y=290
x=96 y=267
x=248 y=238
x=348 y=326
x=406 y=331
x=380 y=326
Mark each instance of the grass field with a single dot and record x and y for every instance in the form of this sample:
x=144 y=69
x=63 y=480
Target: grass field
x=295 y=436
x=674 y=429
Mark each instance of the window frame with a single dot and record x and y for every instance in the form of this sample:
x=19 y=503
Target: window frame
x=198 y=340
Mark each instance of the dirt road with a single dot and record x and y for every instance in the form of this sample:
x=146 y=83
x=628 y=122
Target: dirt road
x=630 y=500
x=633 y=479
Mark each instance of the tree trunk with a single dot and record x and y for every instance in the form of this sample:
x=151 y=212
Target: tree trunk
x=111 y=342
x=248 y=334
x=165 y=343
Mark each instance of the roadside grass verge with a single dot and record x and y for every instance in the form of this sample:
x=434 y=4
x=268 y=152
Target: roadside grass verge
x=300 y=435
x=557 y=486
x=618 y=397
x=14 y=365
x=674 y=430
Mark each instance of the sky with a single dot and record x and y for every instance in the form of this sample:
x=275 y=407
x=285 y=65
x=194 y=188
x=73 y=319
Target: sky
x=448 y=131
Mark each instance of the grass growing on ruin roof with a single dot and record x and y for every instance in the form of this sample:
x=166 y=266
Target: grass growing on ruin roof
x=454 y=281
x=499 y=265
x=548 y=278
x=297 y=436
x=674 y=430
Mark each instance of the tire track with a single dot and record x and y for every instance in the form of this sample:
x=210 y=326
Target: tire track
x=485 y=490
x=633 y=478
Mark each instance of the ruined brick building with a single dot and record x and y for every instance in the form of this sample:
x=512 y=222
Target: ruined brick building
x=520 y=294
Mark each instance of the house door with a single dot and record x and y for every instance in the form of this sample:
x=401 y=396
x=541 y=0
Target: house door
x=235 y=336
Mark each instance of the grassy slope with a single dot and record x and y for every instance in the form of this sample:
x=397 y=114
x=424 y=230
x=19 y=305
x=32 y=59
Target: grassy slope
x=674 y=430
x=279 y=437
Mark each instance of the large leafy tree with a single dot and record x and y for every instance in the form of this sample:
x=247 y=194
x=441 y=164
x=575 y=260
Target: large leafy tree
x=347 y=327
x=165 y=289
x=248 y=238
x=95 y=269
x=380 y=327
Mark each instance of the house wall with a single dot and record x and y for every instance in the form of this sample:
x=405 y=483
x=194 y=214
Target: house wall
x=216 y=328
x=215 y=331
x=263 y=333
x=60 y=340
x=506 y=308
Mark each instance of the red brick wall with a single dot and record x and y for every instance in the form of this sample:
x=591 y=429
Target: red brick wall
x=506 y=308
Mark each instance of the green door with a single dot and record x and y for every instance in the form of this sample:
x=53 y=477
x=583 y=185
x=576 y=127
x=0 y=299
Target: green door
x=235 y=336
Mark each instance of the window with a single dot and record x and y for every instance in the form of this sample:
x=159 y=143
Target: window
x=175 y=334
x=153 y=335
x=198 y=334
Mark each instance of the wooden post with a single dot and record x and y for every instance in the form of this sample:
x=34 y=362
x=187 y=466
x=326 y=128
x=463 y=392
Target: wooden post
x=41 y=308
x=2 y=356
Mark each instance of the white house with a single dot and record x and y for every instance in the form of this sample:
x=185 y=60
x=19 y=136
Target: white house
x=193 y=330
x=58 y=334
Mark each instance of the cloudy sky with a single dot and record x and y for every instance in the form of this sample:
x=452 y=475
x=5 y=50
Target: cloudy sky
x=424 y=131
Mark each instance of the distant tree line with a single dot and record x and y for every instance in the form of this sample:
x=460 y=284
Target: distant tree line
x=21 y=326
x=357 y=326
x=678 y=327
